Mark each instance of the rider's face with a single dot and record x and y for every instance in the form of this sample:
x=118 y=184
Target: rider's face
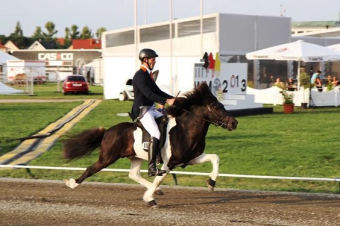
x=152 y=62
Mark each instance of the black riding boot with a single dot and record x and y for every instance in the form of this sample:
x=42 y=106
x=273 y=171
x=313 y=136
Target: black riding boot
x=153 y=150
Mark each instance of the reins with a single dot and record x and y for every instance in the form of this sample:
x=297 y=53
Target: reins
x=216 y=123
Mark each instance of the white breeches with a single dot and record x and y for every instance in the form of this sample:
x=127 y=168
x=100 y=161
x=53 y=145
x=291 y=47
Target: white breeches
x=149 y=123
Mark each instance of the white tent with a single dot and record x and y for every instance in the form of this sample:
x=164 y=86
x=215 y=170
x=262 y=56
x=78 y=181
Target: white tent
x=4 y=57
x=334 y=47
x=296 y=51
x=8 y=90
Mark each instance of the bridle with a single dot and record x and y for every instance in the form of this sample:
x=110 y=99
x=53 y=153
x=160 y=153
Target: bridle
x=215 y=123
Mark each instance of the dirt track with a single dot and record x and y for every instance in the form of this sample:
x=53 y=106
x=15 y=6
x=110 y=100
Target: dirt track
x=36 y=202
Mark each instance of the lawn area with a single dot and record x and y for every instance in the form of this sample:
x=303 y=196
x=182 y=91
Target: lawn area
x=52 y=90
x=303 y=144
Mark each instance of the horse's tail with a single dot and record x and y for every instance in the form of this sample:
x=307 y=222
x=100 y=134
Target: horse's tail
x=78 y=145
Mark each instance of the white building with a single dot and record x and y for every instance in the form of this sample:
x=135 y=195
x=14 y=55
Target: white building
x=230 y=35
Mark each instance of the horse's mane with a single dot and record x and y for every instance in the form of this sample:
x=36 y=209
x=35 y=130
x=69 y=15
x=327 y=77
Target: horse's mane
x=199 y=96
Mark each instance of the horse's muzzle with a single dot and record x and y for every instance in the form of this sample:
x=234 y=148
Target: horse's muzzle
x=231 y=124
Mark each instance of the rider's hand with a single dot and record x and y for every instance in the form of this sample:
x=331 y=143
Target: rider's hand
x=170 y=101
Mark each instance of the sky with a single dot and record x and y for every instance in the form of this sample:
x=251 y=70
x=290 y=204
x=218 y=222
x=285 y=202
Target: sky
x=119 y=14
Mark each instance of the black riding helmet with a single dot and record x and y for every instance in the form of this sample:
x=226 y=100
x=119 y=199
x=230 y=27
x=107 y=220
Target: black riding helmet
x=147 y=53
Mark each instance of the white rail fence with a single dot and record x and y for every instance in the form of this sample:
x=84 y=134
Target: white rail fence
x=177 y=172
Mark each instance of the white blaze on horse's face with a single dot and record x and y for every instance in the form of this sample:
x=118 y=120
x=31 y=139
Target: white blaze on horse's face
x=220 y=116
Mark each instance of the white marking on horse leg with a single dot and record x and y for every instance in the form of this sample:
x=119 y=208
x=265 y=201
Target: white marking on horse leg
x=215 y=161
x=213 y=158
x=71 y=183
x=148 y=195
x=135 y=175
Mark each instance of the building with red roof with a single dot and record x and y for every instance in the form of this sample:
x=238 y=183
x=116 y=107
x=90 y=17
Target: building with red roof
x=86 y=44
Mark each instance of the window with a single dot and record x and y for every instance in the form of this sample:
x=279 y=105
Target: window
x=193 y=27
x=76 y=78
x=156 y=33
x=120 y=39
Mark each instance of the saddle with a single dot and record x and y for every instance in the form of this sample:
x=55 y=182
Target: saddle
x=162 y=123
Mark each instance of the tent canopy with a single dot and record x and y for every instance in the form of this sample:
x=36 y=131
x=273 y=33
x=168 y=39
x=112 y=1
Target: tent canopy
x=8 y=90
x=297 y=51
x=335 y=47
x=4 y=57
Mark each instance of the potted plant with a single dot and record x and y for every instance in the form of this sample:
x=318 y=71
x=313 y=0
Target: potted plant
x=305 y=83
x=288 y=103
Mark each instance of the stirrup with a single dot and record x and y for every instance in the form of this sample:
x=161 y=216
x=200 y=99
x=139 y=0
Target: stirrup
x=158 y=172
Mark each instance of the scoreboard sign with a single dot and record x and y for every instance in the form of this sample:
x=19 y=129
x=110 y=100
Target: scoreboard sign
x=229 y=78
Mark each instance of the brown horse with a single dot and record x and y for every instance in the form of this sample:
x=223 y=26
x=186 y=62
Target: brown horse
x=189 y=120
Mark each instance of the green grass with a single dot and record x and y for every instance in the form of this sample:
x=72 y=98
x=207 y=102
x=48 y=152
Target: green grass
x=24 y=119
x=303 y=144
x=52 y=90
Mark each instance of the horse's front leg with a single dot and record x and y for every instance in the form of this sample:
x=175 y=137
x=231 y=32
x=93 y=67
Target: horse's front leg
x=215 y=161
x=148 y=195
x=134 y=174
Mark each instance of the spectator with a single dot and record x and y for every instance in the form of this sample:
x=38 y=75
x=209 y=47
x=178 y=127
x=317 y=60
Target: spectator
x=318 y=84
x=335 y=81
x=314 y=76
x=291 y=85
x=278 y=83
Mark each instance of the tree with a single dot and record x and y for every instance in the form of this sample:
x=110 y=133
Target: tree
x=86 y=33
x=18 y=38
x=17 y=31
x=67 y=33
x=68 y=40
x=50 y=27
x=99 y=32
x=74 y=34
x=38 y=34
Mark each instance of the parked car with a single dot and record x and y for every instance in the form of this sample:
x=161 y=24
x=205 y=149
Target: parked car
x=75 y=84
x=127 y=94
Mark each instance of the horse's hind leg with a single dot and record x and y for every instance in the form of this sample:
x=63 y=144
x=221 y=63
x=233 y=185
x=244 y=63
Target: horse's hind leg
x=99 y=165
x=106 y=158
x=134 y=174
x=215 y=160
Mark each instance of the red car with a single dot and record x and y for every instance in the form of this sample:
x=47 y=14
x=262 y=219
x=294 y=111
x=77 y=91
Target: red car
x=75 y=84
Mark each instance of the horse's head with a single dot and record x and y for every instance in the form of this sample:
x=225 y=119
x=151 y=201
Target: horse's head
x=205 y=106
x=218 y=115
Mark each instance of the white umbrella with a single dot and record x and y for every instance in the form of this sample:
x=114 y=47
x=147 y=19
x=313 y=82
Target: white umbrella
x=5 y=56
x=335 y=47
x=297 y=51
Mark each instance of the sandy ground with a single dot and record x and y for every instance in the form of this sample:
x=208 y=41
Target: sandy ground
x=38 y=202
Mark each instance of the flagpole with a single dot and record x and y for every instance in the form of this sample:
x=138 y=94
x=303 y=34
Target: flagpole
x=136 y=35
x=172 y=79
x=201 y=26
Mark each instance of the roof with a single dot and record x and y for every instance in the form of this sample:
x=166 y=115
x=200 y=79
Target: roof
x=36 y=46
x=316 y=24
x=2 y=46
x=10 y=45
x=61 y=41
x=86 y=44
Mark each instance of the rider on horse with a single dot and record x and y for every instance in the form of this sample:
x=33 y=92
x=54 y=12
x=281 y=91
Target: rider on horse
x=146 y=93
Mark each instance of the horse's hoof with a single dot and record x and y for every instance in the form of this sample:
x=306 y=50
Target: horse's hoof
x=211 y=184
x=152 y=204
x=159 y=192
x=71 y=183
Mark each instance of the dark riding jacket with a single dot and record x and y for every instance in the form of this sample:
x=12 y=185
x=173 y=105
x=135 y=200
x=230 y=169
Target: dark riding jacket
x=146 y=92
